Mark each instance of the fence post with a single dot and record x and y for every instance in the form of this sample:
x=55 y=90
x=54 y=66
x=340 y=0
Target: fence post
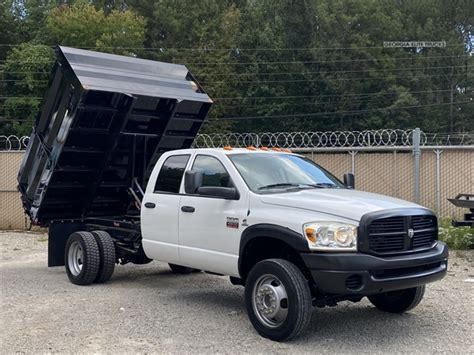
x=416 y=154
x=353 y=154
x=438 y=181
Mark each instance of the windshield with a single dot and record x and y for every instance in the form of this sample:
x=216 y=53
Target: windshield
x=265 y=172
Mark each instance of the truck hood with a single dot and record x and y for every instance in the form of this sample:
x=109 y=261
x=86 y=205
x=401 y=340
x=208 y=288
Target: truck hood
x=346 y=203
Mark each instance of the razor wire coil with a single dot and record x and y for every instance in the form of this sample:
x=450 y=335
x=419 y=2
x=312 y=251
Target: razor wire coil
x=13 y=143
x=292 y=140
x=329 y=139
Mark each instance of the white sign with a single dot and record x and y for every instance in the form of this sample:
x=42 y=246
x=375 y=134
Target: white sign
x=414 y=44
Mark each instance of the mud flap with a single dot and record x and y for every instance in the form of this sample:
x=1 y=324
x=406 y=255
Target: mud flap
x=58 y=234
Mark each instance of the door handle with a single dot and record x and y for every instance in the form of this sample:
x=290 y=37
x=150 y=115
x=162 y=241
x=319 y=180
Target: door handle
x=188 y=209
x=150 y=205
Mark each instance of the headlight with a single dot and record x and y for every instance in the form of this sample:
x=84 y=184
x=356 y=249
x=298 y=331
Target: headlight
x=332 y=236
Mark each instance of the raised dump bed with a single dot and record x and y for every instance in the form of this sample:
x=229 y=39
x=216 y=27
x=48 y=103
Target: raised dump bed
x=104 y=122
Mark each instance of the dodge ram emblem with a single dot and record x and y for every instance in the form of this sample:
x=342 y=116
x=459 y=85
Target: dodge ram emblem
x=411 y=233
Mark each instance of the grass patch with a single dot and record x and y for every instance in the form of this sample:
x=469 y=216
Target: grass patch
x=456 y=237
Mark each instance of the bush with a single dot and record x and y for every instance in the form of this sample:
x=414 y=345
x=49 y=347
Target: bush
x=456 y=237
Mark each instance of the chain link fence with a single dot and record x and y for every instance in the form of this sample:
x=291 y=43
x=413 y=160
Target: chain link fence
x=444 y=173
x=427 y=170
x=11 y=215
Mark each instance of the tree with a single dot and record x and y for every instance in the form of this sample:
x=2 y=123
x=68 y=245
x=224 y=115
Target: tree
x=27 y=67
x=294 y=65
x=30 y=18
x=26 y=73
x=82 y=25
x=8 y=23
x=197 y=34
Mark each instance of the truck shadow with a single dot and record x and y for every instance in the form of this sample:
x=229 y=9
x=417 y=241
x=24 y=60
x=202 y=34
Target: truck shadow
x=348 y=324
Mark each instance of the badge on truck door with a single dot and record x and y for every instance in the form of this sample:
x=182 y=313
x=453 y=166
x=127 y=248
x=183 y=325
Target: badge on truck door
x=232 y=222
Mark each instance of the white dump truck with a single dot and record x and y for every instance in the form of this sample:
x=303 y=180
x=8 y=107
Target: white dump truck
x=110 y=171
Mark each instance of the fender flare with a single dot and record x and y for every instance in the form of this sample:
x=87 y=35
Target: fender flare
x=289 y=236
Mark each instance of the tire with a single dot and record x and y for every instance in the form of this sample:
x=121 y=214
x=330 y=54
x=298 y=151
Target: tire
x=178 y=269
x=398 y=301
x=107 y=256
x=279 y=284
x=82 y=258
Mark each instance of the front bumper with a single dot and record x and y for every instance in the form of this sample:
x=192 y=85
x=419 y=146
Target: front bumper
x=364 y=274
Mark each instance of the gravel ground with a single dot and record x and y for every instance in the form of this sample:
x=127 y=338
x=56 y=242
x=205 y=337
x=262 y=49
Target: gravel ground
x=148 y=309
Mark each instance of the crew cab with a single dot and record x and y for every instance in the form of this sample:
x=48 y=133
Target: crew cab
x=109 y=169
x=290 y=232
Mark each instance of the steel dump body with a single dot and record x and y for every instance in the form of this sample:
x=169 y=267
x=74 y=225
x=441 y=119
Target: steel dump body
x=104 y=122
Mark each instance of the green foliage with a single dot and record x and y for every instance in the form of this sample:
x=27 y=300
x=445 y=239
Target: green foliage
x=82 y=25
x=456 y=237
x=26 y=74
x=121 y=30
x=320 y=60
x=7 y=26
x=79 y=25
x=27 y=19
x=26 y=71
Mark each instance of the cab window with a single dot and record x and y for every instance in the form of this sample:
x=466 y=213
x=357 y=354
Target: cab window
x=171 y=174
x=214 y=173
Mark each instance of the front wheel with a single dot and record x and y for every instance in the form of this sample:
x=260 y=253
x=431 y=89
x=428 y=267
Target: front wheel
x=278 y=299
x=398 y=301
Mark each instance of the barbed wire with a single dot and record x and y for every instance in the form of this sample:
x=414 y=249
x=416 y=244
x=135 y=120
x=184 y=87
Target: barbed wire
x=330 y=139
x=312 y=139
x=12 y=142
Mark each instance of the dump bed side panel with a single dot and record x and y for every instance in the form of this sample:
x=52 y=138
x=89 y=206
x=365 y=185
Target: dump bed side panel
x=90 y=142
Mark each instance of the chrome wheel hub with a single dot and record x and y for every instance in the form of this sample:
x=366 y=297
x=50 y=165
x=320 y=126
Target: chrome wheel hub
x=75 y=258
x=270 y=301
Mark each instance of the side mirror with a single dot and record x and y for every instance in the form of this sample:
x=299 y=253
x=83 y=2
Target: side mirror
x=192 y=181
x=349 y=180
x=228 y=193
x=193 y=185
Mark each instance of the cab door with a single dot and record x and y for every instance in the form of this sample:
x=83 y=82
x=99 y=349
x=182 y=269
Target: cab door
x=160 y=210
x=210 y=227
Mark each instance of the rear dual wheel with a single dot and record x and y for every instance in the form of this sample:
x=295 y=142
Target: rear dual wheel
x=89 y=257
x=107 y=256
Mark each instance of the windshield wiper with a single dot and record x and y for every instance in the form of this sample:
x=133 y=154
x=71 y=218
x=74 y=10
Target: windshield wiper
x=283 y=184
x=321 y=185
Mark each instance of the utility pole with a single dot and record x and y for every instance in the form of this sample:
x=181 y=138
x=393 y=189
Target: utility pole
x=451 y=101
x=416 y=154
